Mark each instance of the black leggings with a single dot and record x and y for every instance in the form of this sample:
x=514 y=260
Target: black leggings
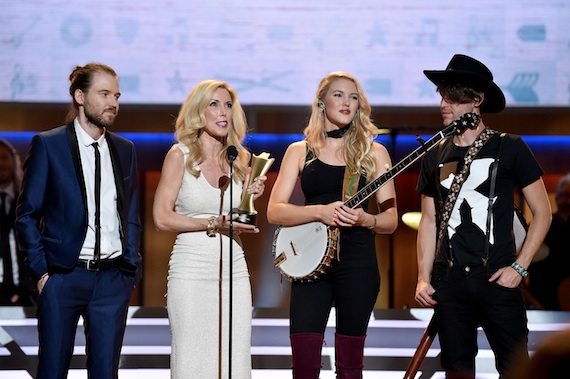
x=351 y=285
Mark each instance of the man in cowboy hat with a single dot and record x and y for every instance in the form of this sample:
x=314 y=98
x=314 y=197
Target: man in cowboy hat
x=468 y=268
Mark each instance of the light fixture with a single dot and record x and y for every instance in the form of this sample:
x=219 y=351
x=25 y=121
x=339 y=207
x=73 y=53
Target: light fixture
x=412 y=219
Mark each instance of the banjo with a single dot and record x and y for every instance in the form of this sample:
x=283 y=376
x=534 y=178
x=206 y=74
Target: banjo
x=303 y=252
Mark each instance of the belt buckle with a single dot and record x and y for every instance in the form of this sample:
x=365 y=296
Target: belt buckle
x=92 y=265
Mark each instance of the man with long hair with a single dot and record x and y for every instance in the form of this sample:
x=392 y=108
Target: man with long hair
x=78 y=225
x=468 y=267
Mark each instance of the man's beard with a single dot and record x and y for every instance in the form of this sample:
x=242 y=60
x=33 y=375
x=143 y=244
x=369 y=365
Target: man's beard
x=97 y=120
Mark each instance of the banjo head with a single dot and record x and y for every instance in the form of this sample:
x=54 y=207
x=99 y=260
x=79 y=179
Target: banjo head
x=299 y=250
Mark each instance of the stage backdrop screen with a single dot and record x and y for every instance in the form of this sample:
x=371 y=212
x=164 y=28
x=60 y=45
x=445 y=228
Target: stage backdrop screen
x=274 y=52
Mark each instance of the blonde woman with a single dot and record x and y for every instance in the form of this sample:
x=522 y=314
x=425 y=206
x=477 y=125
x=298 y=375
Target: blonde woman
x=339 y=143
x=193 y=199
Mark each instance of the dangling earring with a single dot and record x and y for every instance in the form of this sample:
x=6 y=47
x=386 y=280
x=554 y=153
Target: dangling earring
x=321 y=107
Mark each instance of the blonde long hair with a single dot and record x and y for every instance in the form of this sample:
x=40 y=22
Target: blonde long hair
x=191 y=121
x=358 y=150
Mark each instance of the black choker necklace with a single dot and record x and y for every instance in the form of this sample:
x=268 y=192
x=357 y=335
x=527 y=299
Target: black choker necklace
x=338 y=133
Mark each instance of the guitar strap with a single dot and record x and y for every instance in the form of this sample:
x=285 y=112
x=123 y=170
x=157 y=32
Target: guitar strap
x=349 y=188
x=350 y=183
x=491 y=201
x=456 y=185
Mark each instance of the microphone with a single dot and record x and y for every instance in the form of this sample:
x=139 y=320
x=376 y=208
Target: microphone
x=232 y=153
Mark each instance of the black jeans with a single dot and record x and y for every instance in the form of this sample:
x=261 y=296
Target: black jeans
x=351 y=285
x=466 y=300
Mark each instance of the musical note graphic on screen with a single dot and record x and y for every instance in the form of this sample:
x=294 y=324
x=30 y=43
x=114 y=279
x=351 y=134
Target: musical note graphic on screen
x=178 y=34
x=21 y=82
x=17 y=39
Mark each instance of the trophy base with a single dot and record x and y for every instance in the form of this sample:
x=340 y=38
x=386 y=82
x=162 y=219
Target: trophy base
x=247 y=218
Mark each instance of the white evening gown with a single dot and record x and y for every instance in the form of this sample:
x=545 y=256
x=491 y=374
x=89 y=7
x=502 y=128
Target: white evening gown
x=193 y=293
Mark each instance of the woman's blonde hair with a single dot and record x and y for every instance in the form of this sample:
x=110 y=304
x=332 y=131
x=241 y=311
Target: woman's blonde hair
x=191 y=122
x=358 y=152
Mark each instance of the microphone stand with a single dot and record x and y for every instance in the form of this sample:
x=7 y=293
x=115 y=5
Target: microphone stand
x=231 y=265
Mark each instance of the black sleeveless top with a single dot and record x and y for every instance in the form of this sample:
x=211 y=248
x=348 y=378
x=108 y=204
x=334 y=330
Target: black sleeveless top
x=322 y=184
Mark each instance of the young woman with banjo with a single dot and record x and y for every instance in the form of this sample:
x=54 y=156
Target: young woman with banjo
x=337 y=158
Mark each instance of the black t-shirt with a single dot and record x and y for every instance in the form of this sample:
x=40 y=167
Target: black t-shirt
x=467 y=223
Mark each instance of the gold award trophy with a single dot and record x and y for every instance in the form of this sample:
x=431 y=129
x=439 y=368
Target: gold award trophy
x=259 y=166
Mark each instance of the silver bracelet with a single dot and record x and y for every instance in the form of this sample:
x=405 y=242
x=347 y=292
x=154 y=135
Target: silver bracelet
x=520 y=269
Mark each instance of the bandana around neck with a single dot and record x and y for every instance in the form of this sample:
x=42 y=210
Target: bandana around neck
x=338 y=133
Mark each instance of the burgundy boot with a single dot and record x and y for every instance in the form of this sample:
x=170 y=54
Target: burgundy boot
x=307 y=347
x=349 y=356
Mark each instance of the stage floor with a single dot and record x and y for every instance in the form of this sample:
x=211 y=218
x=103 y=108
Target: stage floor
x=393 y=336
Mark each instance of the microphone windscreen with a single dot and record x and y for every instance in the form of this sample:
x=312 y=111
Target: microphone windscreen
x=232 y=153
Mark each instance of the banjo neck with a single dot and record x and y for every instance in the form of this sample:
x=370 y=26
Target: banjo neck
x=468 y=120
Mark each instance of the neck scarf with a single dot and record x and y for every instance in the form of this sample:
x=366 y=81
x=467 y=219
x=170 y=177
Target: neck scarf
x=338 y=133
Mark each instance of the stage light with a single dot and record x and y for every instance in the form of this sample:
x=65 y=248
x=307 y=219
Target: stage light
x=412 y=219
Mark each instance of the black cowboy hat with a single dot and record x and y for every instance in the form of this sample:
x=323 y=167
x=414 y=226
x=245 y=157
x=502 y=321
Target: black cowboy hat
x=471 y=72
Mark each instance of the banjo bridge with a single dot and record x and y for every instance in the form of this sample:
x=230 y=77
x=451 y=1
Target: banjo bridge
x=294 y=248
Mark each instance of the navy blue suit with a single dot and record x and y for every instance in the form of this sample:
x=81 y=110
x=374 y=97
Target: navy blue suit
x=52 y=222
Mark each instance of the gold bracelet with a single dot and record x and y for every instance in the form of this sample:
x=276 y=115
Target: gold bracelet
x=211 y=229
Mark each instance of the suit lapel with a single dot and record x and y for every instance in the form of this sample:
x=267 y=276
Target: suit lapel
x=74 y=147
x=117 y=173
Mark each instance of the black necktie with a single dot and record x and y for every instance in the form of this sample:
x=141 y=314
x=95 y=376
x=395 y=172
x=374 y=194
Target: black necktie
x=5 y=252
x=97 y=252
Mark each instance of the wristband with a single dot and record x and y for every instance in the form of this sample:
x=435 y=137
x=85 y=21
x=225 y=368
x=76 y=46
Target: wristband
x=520 y=269
x=211 y=229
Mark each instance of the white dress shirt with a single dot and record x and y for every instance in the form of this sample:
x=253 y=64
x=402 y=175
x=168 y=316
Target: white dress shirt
x=111 y=246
